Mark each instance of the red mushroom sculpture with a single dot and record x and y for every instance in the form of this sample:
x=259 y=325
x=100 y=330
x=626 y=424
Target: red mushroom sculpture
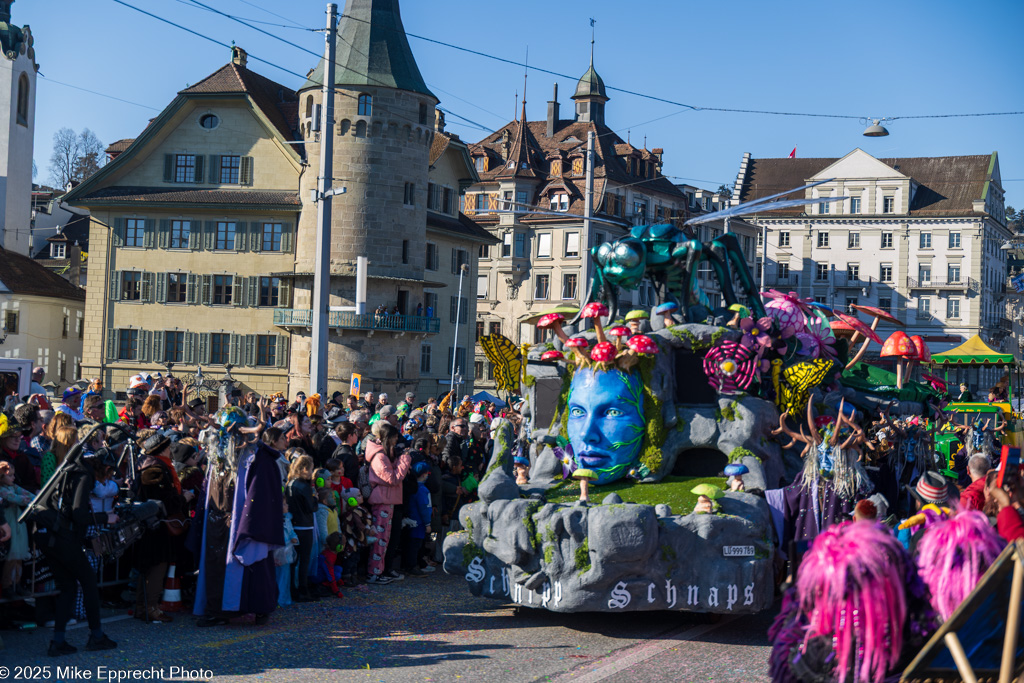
x=620 y=332
x=596 y=310
x=641 y=343
x=859 y=328
x=923 y=353
x=577 y=344
x=552 y=355
x=554 y=321
x=604 y=353
x=898 y=346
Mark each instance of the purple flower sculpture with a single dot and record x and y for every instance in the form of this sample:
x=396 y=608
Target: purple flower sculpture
x=567 y=458
x=818 y=341
x=756 y=334
x=730 y=366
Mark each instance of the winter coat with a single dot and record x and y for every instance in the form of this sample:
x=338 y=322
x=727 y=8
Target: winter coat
x=419 y=510
x=385 y=476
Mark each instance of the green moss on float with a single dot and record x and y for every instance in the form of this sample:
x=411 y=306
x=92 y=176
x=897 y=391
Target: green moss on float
x=531 y=525
x=739 y=453
x=655 y=435
x=674 y=491
x=668 y=554
x=583 y=557
x=529 y=380
x=549 y=554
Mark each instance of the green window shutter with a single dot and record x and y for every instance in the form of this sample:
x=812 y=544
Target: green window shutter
x=255 y=235
x=192 y=289
x=195 y=234
x=189 y=350
x=245 y=171
x=241 y=236
x=164 y=233
x=209 y=235
x=282 y=351
x=117 y=235
x=287 y=238
x=158 y=346
x=148 y=233
x=254 y=291
x=215 y=168
x=235 y=350
x=147 y=287
x=145 y=342
x=207 y=289
x=161 y=288
x=168 y=168
x=115 y=285
x=199 y=168
x=204 y=348
x=111 y=344
x=250 y=350
x=284 y=299
x=237 y=291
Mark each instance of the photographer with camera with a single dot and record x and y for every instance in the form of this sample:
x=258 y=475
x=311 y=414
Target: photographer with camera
x=63 y=516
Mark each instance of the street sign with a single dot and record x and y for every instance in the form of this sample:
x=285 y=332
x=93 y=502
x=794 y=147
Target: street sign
x=354 y=384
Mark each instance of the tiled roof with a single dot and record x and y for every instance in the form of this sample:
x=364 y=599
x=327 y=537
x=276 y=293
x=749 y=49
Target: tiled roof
x=948 y=186
x=182 y=196
x=462 y=225
x=570 y=136
x=119 y=146
x=22 y=275
x=437 y=146
x=278 y=103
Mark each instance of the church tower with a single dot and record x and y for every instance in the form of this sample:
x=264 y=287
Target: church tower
x=383 y=130
x=590 y=95
x=17 y=126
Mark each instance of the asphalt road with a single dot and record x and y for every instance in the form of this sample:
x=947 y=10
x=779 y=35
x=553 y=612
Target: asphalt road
x=428 y=629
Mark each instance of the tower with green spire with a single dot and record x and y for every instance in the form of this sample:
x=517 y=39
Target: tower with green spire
x=383 y=130
x=590 y=95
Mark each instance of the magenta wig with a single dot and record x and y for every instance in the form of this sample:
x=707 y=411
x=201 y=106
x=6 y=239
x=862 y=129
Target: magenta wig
x=953 y=554
x=852 y=589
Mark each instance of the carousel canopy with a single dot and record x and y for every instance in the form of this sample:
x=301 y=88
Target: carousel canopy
x=972 y=352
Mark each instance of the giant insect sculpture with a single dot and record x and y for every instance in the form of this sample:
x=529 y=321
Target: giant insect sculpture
x=671 y=259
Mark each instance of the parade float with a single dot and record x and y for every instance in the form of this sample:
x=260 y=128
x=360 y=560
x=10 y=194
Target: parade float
x=668 y=454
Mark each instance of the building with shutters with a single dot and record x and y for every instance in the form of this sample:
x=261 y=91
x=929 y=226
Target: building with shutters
x=205 y=234
x=192 y=227
x=541 y=260
x=918 y=237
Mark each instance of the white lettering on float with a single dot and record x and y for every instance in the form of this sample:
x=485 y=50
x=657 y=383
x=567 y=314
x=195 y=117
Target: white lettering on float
x=650 y=592
x=748 y=594
x=545 y=596
x=517 y=592
x=692 y=595
x=732 y=595
x=620 y=596
x=670 y=594
x=492 y=584
x=713 y=596
x=475 y=572
x=558 y=592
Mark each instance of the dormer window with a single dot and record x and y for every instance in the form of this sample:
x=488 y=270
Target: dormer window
x=58 y=249
x=481 y=163
x=577 y=166
x=560 y=201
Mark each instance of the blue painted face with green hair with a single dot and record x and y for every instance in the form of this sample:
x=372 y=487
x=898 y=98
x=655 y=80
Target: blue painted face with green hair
x=606 y=421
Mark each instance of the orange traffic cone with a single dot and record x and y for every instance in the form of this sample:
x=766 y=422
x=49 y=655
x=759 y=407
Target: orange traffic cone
x=172 y=592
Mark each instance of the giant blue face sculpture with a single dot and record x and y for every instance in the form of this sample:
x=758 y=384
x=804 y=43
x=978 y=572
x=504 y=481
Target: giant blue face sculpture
x=606 y=421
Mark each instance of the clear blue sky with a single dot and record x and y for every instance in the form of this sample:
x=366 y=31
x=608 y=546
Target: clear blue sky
x=891 y=59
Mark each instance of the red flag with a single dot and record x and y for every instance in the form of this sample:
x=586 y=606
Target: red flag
x=792 y=155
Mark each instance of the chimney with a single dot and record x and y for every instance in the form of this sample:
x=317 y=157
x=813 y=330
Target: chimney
x=75 y=267
x=553 y=113
x=239 y=56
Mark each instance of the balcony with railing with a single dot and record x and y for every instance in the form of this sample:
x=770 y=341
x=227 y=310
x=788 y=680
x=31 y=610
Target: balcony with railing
x=846 y=279
x=774 y=280
x=1004 y=324
x=347 y=320
x=962 y=284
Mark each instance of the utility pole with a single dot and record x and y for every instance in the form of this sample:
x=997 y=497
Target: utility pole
x=588 y=213
x=458 y=318
x=764 y=254
x=322 y=264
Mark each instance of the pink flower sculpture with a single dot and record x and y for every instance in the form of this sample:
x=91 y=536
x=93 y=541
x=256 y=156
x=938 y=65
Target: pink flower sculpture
x=730 y=366
x=818 y=341
x=787 y=310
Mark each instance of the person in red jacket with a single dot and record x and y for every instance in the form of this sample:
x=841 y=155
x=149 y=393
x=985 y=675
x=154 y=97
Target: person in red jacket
x=1006 y=500
x=973 y=497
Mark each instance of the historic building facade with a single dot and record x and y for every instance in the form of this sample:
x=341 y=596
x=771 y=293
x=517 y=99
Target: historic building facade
x=918 y=237
x=17 y=120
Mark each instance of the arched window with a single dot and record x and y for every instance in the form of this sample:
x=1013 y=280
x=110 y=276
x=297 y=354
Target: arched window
x=309 y=106
x=23 y=100
x=365 y=105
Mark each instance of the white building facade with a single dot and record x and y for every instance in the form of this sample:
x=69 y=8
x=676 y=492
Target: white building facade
x=918 y=237
x=17 y=125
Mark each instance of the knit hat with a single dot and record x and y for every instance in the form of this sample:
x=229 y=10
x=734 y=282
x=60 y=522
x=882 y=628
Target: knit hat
x=931 y=488
x=422 y=467
x=69 y=392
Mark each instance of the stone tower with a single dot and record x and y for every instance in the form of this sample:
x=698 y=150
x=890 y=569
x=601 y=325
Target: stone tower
x=17 y=126
x=383 y=130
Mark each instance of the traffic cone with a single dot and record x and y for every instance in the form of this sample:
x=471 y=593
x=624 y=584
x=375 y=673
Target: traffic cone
x=172 y=592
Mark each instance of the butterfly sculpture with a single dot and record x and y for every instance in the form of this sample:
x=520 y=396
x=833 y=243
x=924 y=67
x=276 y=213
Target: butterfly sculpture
x=506 y=360
x=793 y=385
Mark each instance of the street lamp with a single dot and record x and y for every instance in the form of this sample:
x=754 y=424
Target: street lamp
x=876 y=129
x=458 y=317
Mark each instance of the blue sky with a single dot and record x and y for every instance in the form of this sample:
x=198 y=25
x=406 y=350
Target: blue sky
x=893 y=59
